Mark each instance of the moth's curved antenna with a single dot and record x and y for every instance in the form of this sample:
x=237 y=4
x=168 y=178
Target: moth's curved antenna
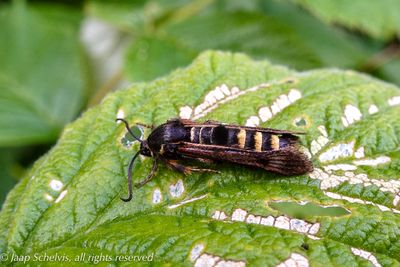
x=130 y=194
x=149 y=176
x=129 y=129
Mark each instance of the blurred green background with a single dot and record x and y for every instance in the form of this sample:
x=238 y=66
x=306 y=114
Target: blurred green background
x=57 y=58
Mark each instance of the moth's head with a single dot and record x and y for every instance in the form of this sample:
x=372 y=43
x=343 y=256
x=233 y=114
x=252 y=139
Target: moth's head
x=145 y=149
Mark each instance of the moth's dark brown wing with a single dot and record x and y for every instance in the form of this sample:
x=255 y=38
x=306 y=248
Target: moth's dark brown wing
x=287 y=161
x=189 y=123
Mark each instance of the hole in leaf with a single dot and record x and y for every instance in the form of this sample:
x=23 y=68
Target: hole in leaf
x=301 y=122
x=296 y=210
x=127 y=140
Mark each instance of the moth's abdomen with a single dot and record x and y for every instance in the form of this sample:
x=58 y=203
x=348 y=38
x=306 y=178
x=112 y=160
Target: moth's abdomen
x=240 y=138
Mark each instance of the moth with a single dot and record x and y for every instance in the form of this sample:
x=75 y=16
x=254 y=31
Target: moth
x=179 y=141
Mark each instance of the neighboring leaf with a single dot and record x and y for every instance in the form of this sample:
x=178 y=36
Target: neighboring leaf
x=380 y=19
x=136 y=16
x=41 y=73
x=7 y=180
x=281 y=34
x=69 y=203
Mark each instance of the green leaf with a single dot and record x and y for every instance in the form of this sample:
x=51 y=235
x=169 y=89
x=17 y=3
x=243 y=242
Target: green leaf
x=265 y=33
x=69 y=203
x=379 y=19
x=41 y=72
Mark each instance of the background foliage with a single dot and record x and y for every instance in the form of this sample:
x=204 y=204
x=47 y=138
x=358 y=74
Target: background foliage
x=59 y=58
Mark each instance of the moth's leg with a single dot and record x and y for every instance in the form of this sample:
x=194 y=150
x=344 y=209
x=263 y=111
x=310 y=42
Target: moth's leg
x=186 y=169
x=205 y=161
x=149 y=177
x=145 y=125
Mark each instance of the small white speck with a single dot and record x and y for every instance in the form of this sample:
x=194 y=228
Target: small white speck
x=394 y=101
x=359 y=153
x=198 y=110
x=239 y=215
x=338 y=151
x=61 y=196
x=253 y=121
x=275 y=108
x=48 y=197
x=396 y=200
x=342 y=167
x=268 y=221
x=235 y=90
x=294 y=95
x=219 y=94
x=157 y=196
x=345 y=122
x=253 y=219
x=56 y=185
x=225 y=89
x=33 y=177
x=120 y=114
x=206 y=260
x=313 y=237
x=352 y=114
x=264 y=113
x=176 y=190
x=315 y=147
x=224 y=263
x=186 y=201
x=185 y=112
x=322 y=140
x=366 y=255
x=196 y=251
x=299 y=225
x=372 y=162
x=295 y=260
x=282 y=222
x=373 y=109
x=282 y=101
x=322 y=130
x=314 y=229
x=210 y=98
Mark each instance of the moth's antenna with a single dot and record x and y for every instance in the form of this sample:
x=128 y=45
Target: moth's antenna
x=130 y=194
x=129 y=129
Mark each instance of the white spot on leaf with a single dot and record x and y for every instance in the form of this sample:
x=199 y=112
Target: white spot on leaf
x=295 y=260
x=338 y=151
x=366 y=255
x=394 y=101
x=157 y=196
x=120 y=114
x=359 y=201
x=373 y=162
x=187 y=201
x=322 y=130
x=373 y=109
x=253 y=121
x=185 y=112
x=48 y=197
x=359 y=153
x=56 y=185
x=264 y=113
x=239 y=215
x=294 y=95
x=176 y=190
x=351 y=115
x=61 y=196
x=196 y=251
x=282 y=222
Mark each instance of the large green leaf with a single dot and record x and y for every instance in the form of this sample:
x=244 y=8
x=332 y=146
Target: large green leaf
x=69 y=203
x=41 y=72
x=380 y=19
